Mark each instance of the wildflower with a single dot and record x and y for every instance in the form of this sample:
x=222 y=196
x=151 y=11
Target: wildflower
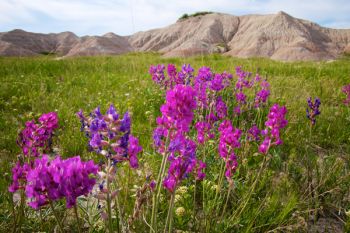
x=231 y=166
x=217 y=83
x=182 y=190
x=109 y=135
x=276 y=121
x=229 y=138
x=56 y=179
x=221 y=108
x=203 y=129
x=313 y=109
x=19 y=177
x=180 y=211
x=185 y=75
x=182 y=162
x=254 y=133
x=35 y=138
x=157 y=73
x=346 y=91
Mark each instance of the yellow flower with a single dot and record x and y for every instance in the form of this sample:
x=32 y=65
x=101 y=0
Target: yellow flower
x=177 y=198
x=180 y=211
x=182 y=190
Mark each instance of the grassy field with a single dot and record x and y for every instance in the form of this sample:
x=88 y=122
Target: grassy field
x=280 y=202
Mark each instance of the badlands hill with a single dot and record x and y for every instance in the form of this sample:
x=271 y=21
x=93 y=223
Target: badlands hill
x=278 y=36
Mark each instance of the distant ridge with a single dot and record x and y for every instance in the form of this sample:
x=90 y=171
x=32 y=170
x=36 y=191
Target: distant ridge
x=277 y=36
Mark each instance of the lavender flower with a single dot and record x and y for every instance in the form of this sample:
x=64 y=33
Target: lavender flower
x=313 y=109
x=110 y=136
x=157 y=73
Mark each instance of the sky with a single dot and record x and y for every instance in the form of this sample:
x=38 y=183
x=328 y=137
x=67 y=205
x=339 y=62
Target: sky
x=125 y=17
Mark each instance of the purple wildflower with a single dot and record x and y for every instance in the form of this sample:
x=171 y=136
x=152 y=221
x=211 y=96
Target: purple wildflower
x=221 y=108
x=157 y=73
x=276 y=121
x=346 y=91
x=313 y=109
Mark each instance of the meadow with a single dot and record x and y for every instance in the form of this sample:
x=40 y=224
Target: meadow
x=303 y=186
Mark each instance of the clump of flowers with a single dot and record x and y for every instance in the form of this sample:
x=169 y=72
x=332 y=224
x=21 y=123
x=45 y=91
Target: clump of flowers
x=275 y=122
x=110 y=135
x=313 y=109
x=229 y=140
x=346 y=91
x=177 y=115
x=35 y=138
x=52 y=180
x=184 y=76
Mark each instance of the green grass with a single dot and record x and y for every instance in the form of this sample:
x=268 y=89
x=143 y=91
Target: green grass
x=32 y=86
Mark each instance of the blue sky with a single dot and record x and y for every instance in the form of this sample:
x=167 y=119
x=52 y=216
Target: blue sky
x=124 y=17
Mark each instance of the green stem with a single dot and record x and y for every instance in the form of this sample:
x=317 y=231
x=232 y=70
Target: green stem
x=77 y=216
x=170 y=214
x=228 y=195
x=56 y=216
x=155 y=198
x=241 y=208
x=109 y=208
x=120 y=213
x=194 y=204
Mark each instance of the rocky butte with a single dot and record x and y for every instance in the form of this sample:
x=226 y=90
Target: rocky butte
x=276 y=36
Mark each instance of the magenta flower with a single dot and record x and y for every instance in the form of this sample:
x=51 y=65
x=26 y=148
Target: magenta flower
x=231 y=166
x=254 y=133
x=133 y=149
x=229 y=138
x=221 y=108
x=35 y=139
x=217 y=83
x=157 y=73
x=52 y=180
x=19 y=177
x=182 y=162
x=203 y=129
x=275 y=122
x=346 y=91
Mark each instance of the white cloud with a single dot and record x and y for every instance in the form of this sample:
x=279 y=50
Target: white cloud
x=126 y=17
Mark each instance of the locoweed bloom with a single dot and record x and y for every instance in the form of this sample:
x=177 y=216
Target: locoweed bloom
x=313 y=109
x=52 y=180
x=109 y=135
x=36 y=138
x=229 y=140
x=177 y=114
x=275 y=122
x=346 y=91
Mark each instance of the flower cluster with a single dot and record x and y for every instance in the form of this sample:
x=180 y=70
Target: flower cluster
x=182 y=162
x=177 y=114
x=52 y=180
x=173 y=77
x=204 y=131
x=346 y=91
x=19 y=176
x=275 y=122
x=35 y=138
x=110 y=136
x=313 y=109
x=229 y=140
